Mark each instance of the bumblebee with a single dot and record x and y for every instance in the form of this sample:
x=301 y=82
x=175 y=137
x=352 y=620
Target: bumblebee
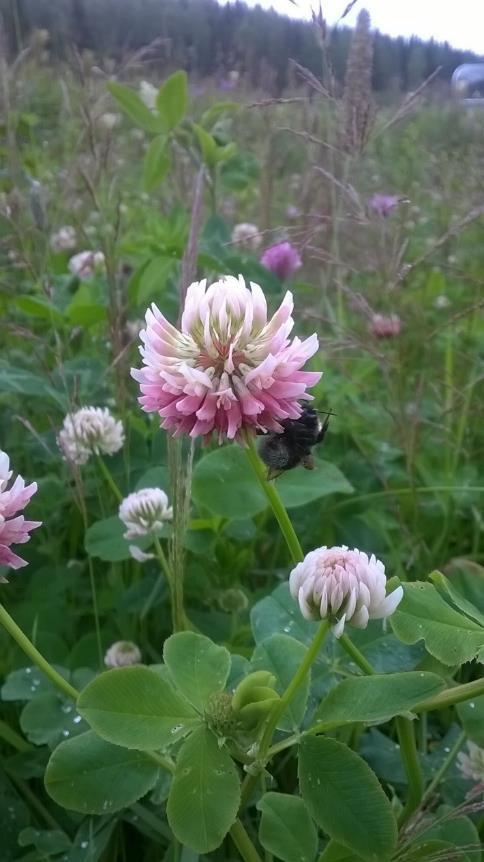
x=292 y=447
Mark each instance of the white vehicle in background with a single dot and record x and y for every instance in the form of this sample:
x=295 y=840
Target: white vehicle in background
x=468 y=84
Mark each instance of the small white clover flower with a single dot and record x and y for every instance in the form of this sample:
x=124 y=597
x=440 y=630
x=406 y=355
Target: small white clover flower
x=246 y=235
x=64 y=239
x=122 y=654
x=87 y=431
x=144 y=512
x=148 y=93
x=472 y=765
x=86 y=263
x=108 y=121
x=343 y=586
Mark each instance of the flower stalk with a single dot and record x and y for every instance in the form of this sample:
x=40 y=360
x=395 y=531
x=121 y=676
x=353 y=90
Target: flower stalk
x=33 y=653
x=406 y=737
x=275 y=501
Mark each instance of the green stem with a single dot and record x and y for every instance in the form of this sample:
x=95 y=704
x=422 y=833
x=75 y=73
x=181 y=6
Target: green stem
x=33 y=800
x=95 y=611
x=411 y=763
x=243 y=843
x=83 y=510
x=159 y=581
x=284 y=743
x=281 y=705
x=176 y=591
x=356 y=655
x=451 y=696
x=109 y=478
x=160 y=760
x=406 y=735
x=445 y=766
x=275 y=502
x=32 y=652
x=13 y=738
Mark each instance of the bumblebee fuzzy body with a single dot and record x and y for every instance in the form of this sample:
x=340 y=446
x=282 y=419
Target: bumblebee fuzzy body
x=292 y=446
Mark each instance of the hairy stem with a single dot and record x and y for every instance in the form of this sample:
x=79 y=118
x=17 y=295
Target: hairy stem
x=109 y=478
x=411 y=763
x=406 y=736
x=275 y=502
x=243 y=843
x=445 y=766
x=8 y=734
x=281 y=705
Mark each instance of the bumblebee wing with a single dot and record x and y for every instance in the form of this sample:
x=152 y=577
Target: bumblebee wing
x=324 y=428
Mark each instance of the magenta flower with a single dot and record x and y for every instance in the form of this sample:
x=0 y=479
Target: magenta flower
x=383 y=205
x=13 y=530
x=228 y=369
x=282 y=259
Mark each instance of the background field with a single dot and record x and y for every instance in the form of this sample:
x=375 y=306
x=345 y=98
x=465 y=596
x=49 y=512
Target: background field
x=299 y=154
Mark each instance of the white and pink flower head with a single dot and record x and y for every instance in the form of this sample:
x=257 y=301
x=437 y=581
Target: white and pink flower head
x=227 y=369
x=343 y=586
x=14 y=529
x=282 y=259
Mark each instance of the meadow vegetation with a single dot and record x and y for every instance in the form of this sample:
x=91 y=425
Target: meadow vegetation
x=229 y=723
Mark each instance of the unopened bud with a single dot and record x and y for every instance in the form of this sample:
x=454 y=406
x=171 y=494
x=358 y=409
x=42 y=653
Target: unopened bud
x=220 y=715
x=254 y=697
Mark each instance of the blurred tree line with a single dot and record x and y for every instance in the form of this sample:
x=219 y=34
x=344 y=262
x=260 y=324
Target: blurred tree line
x=209 y=39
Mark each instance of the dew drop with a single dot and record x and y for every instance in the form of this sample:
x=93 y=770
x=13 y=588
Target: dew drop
x=446 y=748
x=28 y=670
x=84 y=844
x=67 y=708
x=176 y=728
x=77 y=719
x=66 y=733
x=472 y=705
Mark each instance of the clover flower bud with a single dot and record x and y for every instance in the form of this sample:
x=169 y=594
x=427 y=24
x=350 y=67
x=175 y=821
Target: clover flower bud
x=233 y=600
x=246 y=235
x=220 y=715
x=254 y=698
x=122 y=654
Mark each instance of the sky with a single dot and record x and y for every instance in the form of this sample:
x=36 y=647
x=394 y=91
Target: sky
x=460 y=23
